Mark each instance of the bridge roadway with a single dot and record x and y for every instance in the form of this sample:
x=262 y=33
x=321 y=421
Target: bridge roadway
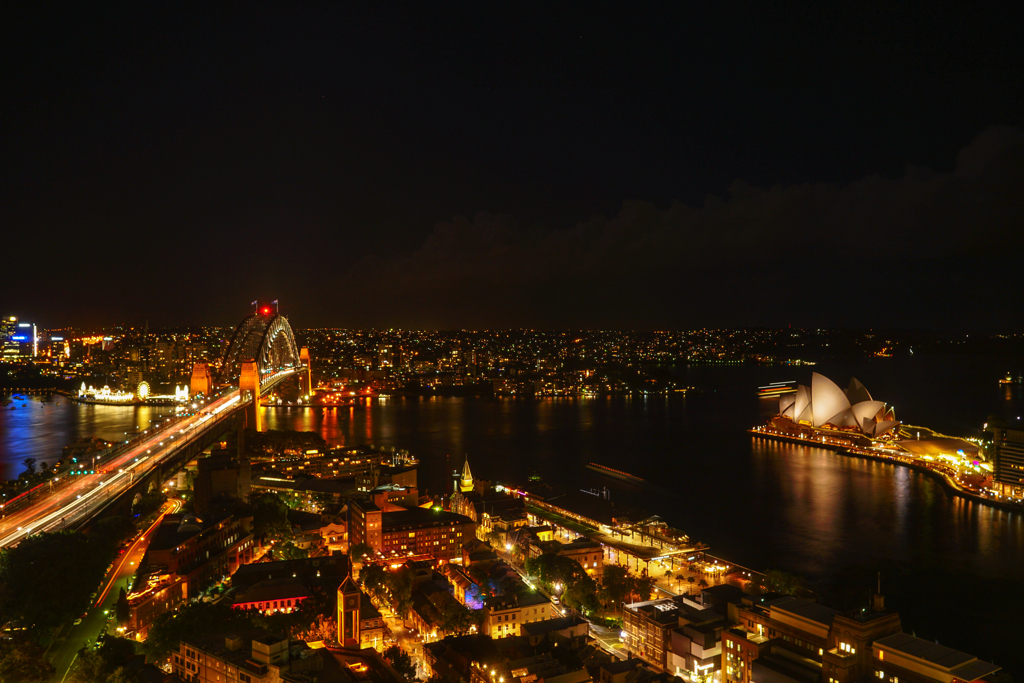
x=76 y=502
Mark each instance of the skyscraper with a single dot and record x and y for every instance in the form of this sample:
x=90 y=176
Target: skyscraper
x=10 y=348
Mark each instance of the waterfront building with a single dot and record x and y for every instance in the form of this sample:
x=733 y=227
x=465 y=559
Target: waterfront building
x=671 y=636
x=904 y=658
x=740 y=648
x=1008 y=454
x=782 y=638
x=825 y=405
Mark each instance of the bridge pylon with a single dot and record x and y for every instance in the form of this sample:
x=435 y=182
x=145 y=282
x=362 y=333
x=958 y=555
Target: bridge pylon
x=249 y=383
x=304 y=357
x=202 y=380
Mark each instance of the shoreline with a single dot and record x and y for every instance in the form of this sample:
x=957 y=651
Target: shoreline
x=899 y=462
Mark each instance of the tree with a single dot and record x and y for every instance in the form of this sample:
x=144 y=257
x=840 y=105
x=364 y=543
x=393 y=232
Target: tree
x=324 y=629
x=401 y=661
x=703 y=584
x=122 y=609
x=30 y=467
x=123 y=674
x=46 y=579
x=582 y=595
x=287 y=550
x=360 y=550
x=778 y=581
x=270 y=517
x=103 y=662
x=194 y=620
x=116 y=529
x=88 y=667
x=619 y=584
x=375 y=582
x=22 y=660
x=298 y=621
x=456 y=618
x=400 y=587
x=149 y=503
x=691 y=580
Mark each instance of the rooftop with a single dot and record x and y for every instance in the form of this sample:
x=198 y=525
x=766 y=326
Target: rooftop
x=273 y=589
x=806 y=609
x=179 y=528
x=960 y=664
x=420 y=517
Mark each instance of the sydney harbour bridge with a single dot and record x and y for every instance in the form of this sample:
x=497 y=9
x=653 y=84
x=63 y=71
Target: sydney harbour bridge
x=262 y=357
x=262 y=354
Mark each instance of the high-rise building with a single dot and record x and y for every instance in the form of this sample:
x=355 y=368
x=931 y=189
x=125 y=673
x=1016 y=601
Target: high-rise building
x=9 y=347
x=1009 y=462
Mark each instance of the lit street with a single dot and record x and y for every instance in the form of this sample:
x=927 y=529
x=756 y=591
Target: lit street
x=99 y=617
x=86 y=493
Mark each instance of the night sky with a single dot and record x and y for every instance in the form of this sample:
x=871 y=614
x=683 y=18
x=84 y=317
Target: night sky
x=443 y=166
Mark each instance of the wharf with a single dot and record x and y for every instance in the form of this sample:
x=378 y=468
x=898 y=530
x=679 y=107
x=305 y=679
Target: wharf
x=900 y=459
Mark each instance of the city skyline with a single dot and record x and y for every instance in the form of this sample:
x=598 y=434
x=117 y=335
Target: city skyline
x=608 y=169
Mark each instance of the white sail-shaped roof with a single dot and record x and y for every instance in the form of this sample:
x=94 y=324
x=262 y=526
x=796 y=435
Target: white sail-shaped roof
x=867 y=409
x=857 y=392
x=828 y=399
x=786 y=403
x=884 y=426
x=802 y=403
x=844 y=418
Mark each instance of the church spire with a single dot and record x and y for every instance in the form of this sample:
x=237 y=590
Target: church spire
x=466 y=483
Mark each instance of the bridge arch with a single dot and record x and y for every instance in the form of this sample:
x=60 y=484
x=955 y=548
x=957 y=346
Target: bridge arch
x=267 y=339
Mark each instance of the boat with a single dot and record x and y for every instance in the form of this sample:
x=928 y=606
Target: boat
x=777 y=389
x=618 y=474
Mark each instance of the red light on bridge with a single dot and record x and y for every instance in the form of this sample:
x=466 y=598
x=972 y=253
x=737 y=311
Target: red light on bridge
x=266 y=310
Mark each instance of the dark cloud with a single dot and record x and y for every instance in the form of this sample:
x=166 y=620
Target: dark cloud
x=915 y=250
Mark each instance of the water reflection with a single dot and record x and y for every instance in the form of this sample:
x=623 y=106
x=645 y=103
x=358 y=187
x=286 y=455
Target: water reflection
x=40 y=429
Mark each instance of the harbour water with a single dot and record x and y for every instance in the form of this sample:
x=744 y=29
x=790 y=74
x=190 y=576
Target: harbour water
x=947 y=564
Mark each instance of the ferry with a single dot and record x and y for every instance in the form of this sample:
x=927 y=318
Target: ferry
x=777 y=389
x=618 y=474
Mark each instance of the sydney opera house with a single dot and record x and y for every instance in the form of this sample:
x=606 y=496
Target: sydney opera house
x=825 y=406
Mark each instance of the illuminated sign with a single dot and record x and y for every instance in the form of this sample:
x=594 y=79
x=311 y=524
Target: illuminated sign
x=56 y=338
x=108 y=339
x=24 y=324
x=19 y=337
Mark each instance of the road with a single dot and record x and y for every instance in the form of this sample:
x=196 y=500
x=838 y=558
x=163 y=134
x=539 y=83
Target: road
x=88 y=492
x=97 y=620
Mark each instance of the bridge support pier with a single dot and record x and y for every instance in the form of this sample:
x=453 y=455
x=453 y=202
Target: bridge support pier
x=249 y=385
x=304 y=358
x=202 y=381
